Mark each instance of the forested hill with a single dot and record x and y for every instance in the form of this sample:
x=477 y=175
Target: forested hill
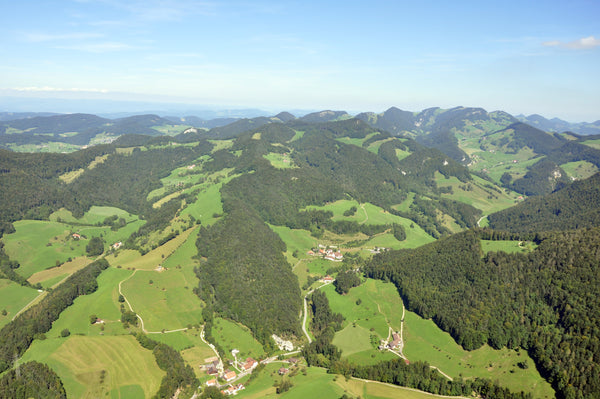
x=544 y=301
x=575 y=206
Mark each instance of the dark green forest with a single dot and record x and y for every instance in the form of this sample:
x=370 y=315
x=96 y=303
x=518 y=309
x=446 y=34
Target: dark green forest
x=544 y=302
x=575 y=206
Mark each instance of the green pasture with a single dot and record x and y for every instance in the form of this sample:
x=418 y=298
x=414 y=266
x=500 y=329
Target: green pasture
x=13 y=297
x=476 y=194
x=39 y=245
x=177 y=178
x=221 y=144
x=299 y=134
x=95 y=215
x=592 y=143
x=231 y=335
x=295 y=240
x=374 y=147
x=165 y=299
x=355 y=141
x=379 y=390
x=405 y=205
x=103 y=303
x=54 y=147
x=353 y=339
x=93 y=367
x=182 y=340
x=579 y=170
x=208 y=202
x=317 y=383
x=318 y=266
x=425 y=341
x=69 y=177
x=507 y=246
x=374 y=306
x=183 y=258
x=279 y=161
x=171 y=130
x=401 y=154
x=133 y=260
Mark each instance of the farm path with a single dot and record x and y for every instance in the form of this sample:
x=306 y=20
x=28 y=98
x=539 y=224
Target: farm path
x=306 y=310
x=138 y=316
x=480 y=219
x=362 y=206
x=40 y=296
x=209 y=344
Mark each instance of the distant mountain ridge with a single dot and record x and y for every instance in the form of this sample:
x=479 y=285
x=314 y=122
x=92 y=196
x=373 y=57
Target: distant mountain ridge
x=558 y=125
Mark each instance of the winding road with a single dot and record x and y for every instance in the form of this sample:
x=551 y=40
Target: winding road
x=306 y=310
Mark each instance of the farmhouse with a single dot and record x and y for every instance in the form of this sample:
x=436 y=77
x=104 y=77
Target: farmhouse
x=395 y=341
x=211 y=383
x=327 y=279
x=117 y=245
x=282 y=371
x=233 y=389
x=76 y=236
x=250 y=364
x=229 y=375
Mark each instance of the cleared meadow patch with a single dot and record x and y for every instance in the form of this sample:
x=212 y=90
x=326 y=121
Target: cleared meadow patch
x=507 y=246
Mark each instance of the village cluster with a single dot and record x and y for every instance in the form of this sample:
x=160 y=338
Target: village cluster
x=215 y=368
x=328 y=253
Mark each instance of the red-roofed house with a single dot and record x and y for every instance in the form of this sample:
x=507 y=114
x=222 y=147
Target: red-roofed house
x=229 y=375
x=250 y=364
x=211 y=383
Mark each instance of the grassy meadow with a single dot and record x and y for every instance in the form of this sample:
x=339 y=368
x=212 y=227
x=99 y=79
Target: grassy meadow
x=231 y=335
x=425 y=341
x=93 y=367
x=164 y=299
x=13 y=297
x=103 y=303
x=579 y=170
x=507 y=246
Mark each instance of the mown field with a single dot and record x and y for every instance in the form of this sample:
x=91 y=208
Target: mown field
x=93 y=367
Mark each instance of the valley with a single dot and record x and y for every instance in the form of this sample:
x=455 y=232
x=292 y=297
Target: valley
x=208 y=243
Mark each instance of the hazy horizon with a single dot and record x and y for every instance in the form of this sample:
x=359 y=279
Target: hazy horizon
x=518 y=57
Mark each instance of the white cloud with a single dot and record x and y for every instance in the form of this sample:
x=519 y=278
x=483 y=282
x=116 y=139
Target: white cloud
x=47 y=37
x=98 y=47
x=580 y=44
x=57 y=89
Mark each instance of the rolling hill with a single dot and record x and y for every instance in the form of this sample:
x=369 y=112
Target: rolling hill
x=212 y=237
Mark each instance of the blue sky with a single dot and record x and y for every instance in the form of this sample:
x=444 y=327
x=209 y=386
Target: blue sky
x=518 y=56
